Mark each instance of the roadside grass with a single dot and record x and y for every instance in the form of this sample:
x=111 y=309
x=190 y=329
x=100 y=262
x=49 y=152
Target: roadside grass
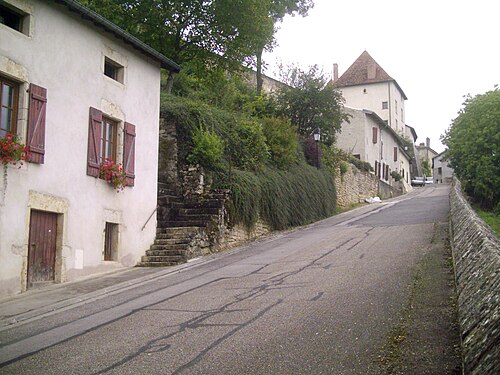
x=352 y=206
x=490 y=218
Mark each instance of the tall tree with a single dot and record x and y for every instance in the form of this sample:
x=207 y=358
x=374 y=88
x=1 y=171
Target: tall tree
x=473 y=141
x=310 y=102
x=277 y=10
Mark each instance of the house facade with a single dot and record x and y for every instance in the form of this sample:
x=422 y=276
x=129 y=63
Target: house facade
x=366 y=85
x=76 y=90
x=367 y=137
x=442 y=173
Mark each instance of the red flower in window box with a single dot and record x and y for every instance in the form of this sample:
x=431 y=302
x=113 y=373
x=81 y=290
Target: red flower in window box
x=113 y=173
x=12 y=151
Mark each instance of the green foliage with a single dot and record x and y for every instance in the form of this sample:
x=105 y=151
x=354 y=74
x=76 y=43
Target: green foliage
x=426 y=168
x=195 y=30
x=490 y=218
x=207 y=149
x=311 y=103
x=396 y=176
x=361 y=165
x=282 y=199
x=243 y=138
x=282 y=141
x=473 y=141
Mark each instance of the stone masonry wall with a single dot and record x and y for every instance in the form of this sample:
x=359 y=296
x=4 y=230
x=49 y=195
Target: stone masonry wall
x=476 y=256
x=354 y=187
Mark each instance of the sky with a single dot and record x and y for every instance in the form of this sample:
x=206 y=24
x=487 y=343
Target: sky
x=438 y=51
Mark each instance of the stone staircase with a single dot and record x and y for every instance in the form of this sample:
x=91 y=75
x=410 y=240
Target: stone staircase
x=182 y=223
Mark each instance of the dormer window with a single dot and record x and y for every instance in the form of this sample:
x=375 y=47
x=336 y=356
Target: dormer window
x=113 y=70
x=14 y=19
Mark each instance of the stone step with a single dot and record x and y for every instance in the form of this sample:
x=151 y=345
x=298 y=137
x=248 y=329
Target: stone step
x=182 y=223
x=160 y=252
x=197 y=217
x=170 y=247
x=198 y=211
x=181 y=240
x=158 y=264
x=175 y=259
x=175 y=232
x=211 y=203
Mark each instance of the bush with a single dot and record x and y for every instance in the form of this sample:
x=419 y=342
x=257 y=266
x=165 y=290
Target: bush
x=207 y=149
x=282 y=141
x=396 y=176
x=361 y=165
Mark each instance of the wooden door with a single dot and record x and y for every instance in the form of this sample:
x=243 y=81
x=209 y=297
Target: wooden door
x=42 y=247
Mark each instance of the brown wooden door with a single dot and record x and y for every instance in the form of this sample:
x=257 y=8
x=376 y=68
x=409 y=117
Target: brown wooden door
x=42 y=247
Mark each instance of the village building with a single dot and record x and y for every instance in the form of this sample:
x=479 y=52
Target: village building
x=442 y=172
x=76 y=90
x=376 y=131
x=425 y=155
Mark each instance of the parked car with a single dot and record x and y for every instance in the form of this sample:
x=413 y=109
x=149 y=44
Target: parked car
x=419 y=181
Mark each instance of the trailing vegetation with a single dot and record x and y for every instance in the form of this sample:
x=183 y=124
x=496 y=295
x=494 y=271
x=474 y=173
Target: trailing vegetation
x=283 y=199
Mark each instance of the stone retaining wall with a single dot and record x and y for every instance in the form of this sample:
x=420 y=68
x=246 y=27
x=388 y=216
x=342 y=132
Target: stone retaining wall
x=476 y=257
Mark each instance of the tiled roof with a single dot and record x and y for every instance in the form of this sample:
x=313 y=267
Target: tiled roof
x=365 y=70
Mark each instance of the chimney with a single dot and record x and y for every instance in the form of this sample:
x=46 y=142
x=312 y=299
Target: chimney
x=335 y=72
x=428 y=142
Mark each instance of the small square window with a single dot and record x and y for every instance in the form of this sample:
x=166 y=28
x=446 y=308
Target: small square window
x=385 y=105
x=113 y=70
x=14 y=18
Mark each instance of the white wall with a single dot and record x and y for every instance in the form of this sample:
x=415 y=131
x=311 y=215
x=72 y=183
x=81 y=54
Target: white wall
x=65 y=55
x=370 y=96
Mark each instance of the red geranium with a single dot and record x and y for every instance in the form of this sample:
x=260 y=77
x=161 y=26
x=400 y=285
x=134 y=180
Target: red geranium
x=113 y=173
x=12 y=151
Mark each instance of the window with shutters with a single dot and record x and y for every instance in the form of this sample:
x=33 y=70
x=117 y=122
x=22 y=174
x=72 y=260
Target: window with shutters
x=9 y=98
x=395 y=154
x=103 y=143
x=374 y=135
x=385 y=105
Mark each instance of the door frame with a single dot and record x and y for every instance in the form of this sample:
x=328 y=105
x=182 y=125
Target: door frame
x=49 y=203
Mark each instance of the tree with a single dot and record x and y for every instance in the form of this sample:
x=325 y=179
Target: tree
x=473 y=141
x=310 y=102
x=277 y=10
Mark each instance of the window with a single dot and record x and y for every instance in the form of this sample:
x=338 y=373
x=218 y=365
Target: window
x=377 y=172
x=385 y=105
x=357 y=156
x=109 y=130
x=111 y=242
x=396 y=106
x=14 y=19
x=103 y=143
x=364 y=91
x=395 y=154
x=9 y=97
x=402 y=117
x=113 y=70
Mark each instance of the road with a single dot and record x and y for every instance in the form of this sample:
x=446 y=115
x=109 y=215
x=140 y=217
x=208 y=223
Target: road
x=325 y=298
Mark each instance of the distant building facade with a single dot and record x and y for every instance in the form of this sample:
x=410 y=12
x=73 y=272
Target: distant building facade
x=442 y=173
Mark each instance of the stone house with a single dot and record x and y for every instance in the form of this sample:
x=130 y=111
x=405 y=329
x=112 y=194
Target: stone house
x=366 y=85
x=425 y=154
x=367 y=137
x=77 y=90
x=442 y=173
x=377 y=127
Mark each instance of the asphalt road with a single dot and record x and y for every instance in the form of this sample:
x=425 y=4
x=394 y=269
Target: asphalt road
x=319 y=299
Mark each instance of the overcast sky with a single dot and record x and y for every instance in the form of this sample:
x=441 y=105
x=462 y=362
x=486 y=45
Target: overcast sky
x=437 y=50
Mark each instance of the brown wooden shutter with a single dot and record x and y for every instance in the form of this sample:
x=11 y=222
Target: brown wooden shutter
x=395 y=154
x=129 y=153
x=36 y=124
x=94 y=143
x=374 y=140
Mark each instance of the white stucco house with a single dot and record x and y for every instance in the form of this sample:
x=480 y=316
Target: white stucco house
x=442 y=173
x=367 y=137
x=366 y=85
x=76 y=90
